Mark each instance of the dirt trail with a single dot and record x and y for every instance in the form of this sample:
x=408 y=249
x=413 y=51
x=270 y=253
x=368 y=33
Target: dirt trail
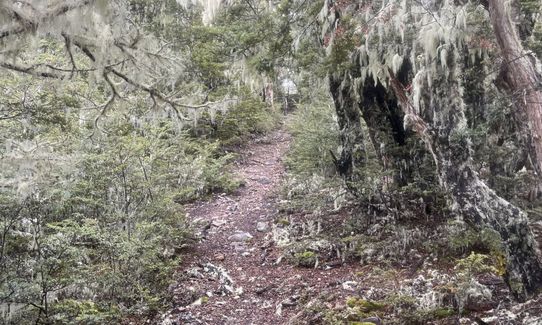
x=230 y=278
x=235 y=275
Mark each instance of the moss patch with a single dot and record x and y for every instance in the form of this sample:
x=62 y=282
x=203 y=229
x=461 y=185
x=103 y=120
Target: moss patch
x=306 y=258
x=365 y=306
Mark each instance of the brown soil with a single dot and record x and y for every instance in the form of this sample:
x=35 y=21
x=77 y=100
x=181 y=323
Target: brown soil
x=264 y=291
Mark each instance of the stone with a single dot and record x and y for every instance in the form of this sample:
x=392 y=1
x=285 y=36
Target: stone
x=218 y=223
x=239 y=246
x=350 y=285
x=199 y=302
x=194 y=272
x=266 y=304
x=373 y=320
x=240 y=237
x=290 y=302
x=264 y=181
x=492 y=320
x=262 y=226
x=478 y=298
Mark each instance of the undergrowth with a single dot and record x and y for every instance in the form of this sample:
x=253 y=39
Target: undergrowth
x=96 y=237
x=312 y=182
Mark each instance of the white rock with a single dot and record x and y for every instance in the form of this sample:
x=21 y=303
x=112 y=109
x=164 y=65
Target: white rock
x=240 y=237
x=197 y=302
x=219 y=223
x=350 y=285
x=262 y=226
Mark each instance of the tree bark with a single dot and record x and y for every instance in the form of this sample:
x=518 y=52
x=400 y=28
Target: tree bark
x=352 y=156
x=446 y=138
x=440 y=123
x=519 y=77
x=377 y=107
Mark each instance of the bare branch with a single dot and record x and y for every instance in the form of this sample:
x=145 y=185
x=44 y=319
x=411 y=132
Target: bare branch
x=429 y=12
x=70 y=54
x=31 y=70
x=415 y=121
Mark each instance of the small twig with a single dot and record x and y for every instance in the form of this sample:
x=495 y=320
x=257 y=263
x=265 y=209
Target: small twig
x=104 y=107
x=70 y=54
x=429 y=12
x=31 y=70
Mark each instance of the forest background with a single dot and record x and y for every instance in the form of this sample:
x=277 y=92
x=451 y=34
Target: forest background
x=423 y=115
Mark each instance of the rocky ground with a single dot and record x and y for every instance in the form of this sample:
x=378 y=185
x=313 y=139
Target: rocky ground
x=249 y=269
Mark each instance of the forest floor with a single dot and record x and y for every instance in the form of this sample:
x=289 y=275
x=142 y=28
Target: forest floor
x=235 y=275
x=239 y=274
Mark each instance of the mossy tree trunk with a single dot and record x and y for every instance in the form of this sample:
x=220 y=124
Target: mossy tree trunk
x=446 y=135
x=439 y=122
x=442 y=126
x=519 y=77
x=479 y=205
x=353 y=153
x=377 y=109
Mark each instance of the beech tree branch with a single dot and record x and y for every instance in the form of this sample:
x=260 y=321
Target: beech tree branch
x=27 y=24
x=153 y=92
x=411 y=117
x=31 y=70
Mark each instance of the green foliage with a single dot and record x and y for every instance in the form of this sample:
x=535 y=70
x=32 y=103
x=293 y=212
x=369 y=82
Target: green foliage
x=249 y=117
x=394 y=309
x=463 y=238
x=535 y=42
x=315 y=136
x=365 y=306
x=344 y=42
x=312 y=181
x=485 y=242
x=96 y=235
x=92 y=224
x=529 y=7
x=110 y=233
x=360 y=308
x=306 y=258
x=475 y=264
x=530 y=26
x=425 y=316
x=107 y=233
x=82 y=312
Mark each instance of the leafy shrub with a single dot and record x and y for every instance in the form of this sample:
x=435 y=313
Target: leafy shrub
x=306 y=258
x=248 y=117
x=98 y=237
x=312 y=181
x=315 y=136
x=475 y=264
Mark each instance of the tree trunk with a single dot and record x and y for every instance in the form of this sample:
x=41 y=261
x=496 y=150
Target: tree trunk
x=446 y=136
x=519 y=77
x=378 y=108
x=352 y=156
x=439 y=122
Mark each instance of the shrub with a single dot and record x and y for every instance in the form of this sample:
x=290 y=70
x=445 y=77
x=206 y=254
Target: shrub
x=311 y=180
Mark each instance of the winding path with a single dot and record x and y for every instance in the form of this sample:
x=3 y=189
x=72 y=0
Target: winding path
x=234 y=276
